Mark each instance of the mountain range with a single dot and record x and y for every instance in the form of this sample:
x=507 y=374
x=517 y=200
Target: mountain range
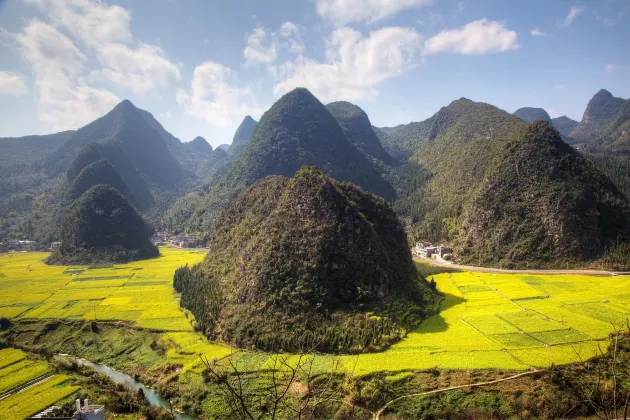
x=431 y=171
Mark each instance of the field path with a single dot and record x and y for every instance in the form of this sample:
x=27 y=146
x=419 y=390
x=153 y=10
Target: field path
x=473 y=268
x=382 y=410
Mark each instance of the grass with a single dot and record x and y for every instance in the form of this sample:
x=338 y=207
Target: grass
x=487 y=321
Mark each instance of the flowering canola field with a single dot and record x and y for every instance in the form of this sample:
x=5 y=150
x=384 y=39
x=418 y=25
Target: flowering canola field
x=487 y=321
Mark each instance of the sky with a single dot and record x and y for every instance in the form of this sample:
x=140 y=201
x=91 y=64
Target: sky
x=201 y=66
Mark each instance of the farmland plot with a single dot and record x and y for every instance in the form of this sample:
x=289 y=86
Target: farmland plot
x=502 y=321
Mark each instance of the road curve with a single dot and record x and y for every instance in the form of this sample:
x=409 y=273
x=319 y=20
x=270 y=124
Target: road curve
x=473 y=268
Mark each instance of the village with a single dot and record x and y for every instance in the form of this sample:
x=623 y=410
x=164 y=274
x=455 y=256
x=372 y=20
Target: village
x=428 y=250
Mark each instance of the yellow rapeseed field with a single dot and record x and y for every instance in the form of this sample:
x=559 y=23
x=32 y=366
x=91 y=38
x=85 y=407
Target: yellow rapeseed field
x=502 y=321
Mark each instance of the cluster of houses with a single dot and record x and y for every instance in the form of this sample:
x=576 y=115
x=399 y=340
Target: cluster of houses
x=428 y=250
x=179 y=241
x=21 y=245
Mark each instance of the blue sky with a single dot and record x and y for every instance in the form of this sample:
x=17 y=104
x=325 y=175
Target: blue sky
x=200 y=66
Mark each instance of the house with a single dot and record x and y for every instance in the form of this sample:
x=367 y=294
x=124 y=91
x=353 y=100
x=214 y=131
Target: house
x=81 y=412
x=425 y=249
x=55 y=245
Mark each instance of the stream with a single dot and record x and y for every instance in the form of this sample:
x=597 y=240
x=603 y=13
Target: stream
x=153 y=397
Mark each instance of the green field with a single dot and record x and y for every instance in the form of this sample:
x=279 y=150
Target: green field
x=500 y=321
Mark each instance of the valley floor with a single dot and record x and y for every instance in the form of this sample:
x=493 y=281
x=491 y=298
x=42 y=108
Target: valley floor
x=503 y=321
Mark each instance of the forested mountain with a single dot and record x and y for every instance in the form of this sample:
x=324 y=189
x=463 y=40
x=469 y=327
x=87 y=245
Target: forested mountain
x=461 y=143
x=357 y=127
x=114 y=155
x=529 y=114
x=199 y=145
x=542 y=201
x=28 y=149
x=295 y=263
x=131 y=129
x=243 y=135
x=100 y=227
x=296 y=131
x=99 y=172
x=605 y=123
x=403 y=140
x=564 y=125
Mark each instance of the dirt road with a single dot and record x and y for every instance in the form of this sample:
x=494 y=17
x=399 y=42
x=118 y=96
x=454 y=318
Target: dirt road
x=439 y=263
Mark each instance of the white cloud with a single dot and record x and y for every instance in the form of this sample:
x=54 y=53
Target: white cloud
x=478 y=37
x=88 y=20
x=341 y=12
x=536 y=32
x=264 y=48
x=11 y=83
x=213 y=99
x=65 y=101
x=255 y=51
x=573 y=13
x=553 y=113
x=106 y=31
x=354 y=64
x=290 y=35
x=141 y=69
x=610 y=67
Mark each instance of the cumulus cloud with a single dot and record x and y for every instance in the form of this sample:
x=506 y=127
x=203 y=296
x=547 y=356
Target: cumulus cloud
x=479 y=37
x=341 y=12
x=66 y=75
x=88 y=20
x=141 y=69
x=573 y=13
x=11 y=83
x=255 y=51
x=354 y=64
x=264 y=48
x=536 y=32
x=212 y=98
x=66 y=102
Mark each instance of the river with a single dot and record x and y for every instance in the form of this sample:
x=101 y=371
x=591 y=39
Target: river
x=153 y=397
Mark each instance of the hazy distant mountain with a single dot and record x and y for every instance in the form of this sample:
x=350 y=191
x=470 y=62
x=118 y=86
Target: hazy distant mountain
x=199 y=145
x=242 y=136
x=530 y=115
x=99 y=172
x=564 y=125
x=113 y=154
x=604 y=121
x=137 y=136
x=403 y=140
x=28 y=149
x=357 y=127
x=225 y=147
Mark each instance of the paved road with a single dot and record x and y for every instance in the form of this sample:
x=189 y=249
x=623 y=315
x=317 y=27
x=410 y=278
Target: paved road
x=439 y=263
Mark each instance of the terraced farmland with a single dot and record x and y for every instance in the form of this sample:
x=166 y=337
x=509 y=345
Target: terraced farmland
x=488 y=321
x=27 y=386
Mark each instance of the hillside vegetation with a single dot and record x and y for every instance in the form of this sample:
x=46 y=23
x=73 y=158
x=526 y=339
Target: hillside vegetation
x=543 y=201
x=99 y=172
x=299 y=263
x=101 y=227
x=296 y=131
x=242 y=136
